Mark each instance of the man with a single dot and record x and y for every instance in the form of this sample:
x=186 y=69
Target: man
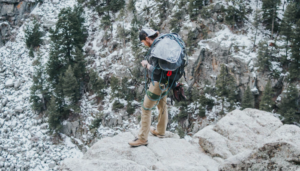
x=156 y=90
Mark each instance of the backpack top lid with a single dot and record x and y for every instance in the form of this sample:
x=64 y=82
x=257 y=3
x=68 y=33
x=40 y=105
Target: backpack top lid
x=169 y=51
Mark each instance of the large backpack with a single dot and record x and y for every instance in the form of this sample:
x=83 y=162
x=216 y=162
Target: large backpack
x=171 y=52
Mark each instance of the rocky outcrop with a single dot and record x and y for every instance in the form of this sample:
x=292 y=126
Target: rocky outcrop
x=169 y=153
x=242 y=140
x=252 y=140
x=12 y=13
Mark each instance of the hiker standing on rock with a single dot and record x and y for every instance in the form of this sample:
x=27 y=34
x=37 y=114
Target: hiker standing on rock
x=166 y=55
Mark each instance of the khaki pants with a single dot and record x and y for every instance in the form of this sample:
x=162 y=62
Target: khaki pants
x=146 y=114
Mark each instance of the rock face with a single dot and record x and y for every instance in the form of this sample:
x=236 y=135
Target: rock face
x=161 y=154
x=11 y=15
x=242 y=140
x=252 y=140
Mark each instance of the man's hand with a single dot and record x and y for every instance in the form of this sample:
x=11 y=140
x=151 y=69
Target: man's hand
x=145 y=64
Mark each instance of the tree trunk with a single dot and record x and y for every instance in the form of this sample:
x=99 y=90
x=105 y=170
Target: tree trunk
x=273 y=18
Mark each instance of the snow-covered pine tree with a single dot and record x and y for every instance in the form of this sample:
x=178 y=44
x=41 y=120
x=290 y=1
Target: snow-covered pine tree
x=225 y=86
x=69 y=34
x=248 y=99
x=96 y=84
x=294 y=67
x=270 y=8
x=287 y=25
x=162 y=7
x=70 y=87
x=115 y=86
x=256 y=22
x=39 y=91
x=194 y=8
x=54 y=116
x=131 y=6
x=175 y=21
x=263 y=58
x=266 y=102
x=288 y=106
x=33 y=35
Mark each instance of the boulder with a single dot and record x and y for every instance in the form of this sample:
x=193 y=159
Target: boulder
x=251 y=140
x=17 y=84
x=7 y=9
x=160 y=154
x=251 y=122
x=213 y=142
x=9 y=83
x=70 y=128
x=19 y=109
x=271 y=156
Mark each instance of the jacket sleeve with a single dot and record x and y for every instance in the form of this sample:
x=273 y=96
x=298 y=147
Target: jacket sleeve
x=154 y=63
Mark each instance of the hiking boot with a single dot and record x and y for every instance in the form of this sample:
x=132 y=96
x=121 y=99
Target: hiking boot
x=155 y=133
x=138 y=142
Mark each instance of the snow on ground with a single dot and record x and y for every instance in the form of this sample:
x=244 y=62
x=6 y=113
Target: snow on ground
x=25 y=142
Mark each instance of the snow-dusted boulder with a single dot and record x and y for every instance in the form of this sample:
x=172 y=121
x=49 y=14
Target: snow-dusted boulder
x=213 y=142
x=70 y=128
x=246 y=129
x=252 y=140
x=17 y=84
x=19 y=109
x=161 y=154
x=271 y=156
x=9 y=83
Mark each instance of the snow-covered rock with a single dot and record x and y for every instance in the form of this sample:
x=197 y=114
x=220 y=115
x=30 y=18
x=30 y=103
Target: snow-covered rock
x=17 y=84
x=9 y=83
x=160 y=154
x=252 y=140
x=19 y=109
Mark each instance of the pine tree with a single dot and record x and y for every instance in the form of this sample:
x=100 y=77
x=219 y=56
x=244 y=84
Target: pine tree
x=135 y=47
x=70 y=87
x=124 y=88
x=154 y=25
x=286 y=25
x=78 y=64
x=175 y=21
x=290 y=117
x=115 y=85
x=54 y=115
x=270 y=8
x=69 y=34
x=257 y=20
x=163 y=7
x=31 y=54
x=248 y=99
x=191 y=42
x=39 y=94
x=108 y=6
x=194 y=8
x=225 y=86
x=263 y=58
x=295 y=58
x=33 y=36
x=288 y=106
x=130 y=109
x=96 y=83
x=266 y=102
x=131 y=6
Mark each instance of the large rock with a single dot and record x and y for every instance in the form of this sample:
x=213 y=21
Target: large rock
x=70 y=128
x=7 y=9
x=271 y=156
x=252 y=140
x=9 y=83
x=161 y=154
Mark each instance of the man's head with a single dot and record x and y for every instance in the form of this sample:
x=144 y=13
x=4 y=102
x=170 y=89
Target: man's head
x=147 y=36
